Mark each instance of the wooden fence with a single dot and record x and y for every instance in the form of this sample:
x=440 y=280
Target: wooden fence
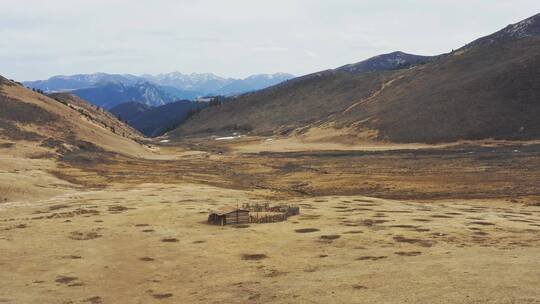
x=265 y=213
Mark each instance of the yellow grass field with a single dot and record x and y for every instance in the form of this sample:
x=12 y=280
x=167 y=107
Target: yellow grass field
x=132 y=230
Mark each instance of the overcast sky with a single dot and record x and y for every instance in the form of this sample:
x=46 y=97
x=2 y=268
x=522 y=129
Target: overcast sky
x=234 y=38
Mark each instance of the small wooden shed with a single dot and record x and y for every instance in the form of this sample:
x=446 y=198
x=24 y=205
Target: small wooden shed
x=229 y=216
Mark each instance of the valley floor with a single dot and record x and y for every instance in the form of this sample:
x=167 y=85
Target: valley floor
x=432 y=225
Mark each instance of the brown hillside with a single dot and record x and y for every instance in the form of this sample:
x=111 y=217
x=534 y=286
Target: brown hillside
x=64 y=123
x=287 y=106
x=98 y=115
x=483 y=91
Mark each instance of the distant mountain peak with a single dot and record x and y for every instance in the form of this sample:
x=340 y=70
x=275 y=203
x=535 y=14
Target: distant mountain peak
x=180 y=85
x=529 y=27
x=525 y=28
x=390 y=61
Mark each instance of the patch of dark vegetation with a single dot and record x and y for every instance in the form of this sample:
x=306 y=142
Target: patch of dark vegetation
x=422 y=220
x=254 y=257
x=363 y=200
x=272 y=273
x=65 y=279
x=86 y=155
x=361 y=209
x=72 y=257
x=147 y=259
x=142 y=225
x=84 y=236
x=117 y=209
x=162 y=296
x=520 y=220
x=481 y=223
x=371 y=258
x=323 y=255
x=419 y=242
x=11 y=131
x=169 y=240
x=56 y=144
x=441 y=216
x=475 y=218
x=370 y=222
x=354 y=232
x=83 y=212
x=24 y=112
x=198 y=242
x=394 y=211
x=187 y=201
x=311 y=269
x=58 y=207
x=359 y=287
x=7 y=145
x=470 y=210
x=404 y=226
x=329 y=237
x=306 y=230
x=147 y=230
x=21 y=226
x=94 y=300
x=408 y=253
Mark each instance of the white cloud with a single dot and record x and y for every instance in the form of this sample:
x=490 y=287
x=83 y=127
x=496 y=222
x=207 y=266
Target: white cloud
x=234 y=37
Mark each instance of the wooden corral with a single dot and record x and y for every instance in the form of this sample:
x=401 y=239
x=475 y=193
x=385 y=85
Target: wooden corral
x=288 y=210
x=266 y=217
x=229 y=216
x=252 y=213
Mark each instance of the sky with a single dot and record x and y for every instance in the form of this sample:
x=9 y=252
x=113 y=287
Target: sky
x=234 y=38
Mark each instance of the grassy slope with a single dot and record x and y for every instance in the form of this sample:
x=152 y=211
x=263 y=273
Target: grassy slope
x=34 y=117
x=490 y=91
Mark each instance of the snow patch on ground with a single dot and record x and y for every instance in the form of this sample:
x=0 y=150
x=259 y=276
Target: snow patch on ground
x=228 y=137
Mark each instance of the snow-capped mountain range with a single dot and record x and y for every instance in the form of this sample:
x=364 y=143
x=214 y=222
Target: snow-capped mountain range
x=198 y=83
x=109 y=90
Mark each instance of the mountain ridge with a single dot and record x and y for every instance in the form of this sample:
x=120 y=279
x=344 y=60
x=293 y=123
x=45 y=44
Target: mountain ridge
x=201 y=83
x=486 y=90
x=529 y=27
x=62 y=123
x=384 y=62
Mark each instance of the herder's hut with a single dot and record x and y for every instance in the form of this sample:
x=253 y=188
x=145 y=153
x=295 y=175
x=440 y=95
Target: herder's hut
x=229 y=216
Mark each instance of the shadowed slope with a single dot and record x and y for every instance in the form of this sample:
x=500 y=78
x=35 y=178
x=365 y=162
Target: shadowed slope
x=64 y=124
